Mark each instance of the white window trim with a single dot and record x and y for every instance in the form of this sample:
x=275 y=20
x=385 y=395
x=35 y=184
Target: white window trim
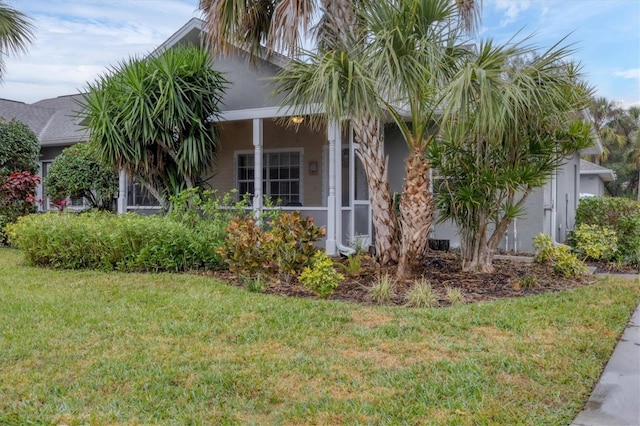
x=237 y=153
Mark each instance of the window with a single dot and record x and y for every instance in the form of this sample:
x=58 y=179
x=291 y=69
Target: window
x=281 y=180
x=138 y=195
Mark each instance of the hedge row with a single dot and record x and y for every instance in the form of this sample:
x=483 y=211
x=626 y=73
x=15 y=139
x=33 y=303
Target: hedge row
x=618 y=214
x=130 y=242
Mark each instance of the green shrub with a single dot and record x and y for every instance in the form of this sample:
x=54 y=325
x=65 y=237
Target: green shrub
x=528 y=281
x=321 y=277
x=595 y=242
x=563 y=260
x=282 y=248
x=100 y=240
x=353 y=267
x=422 y=295
x=454 y=295
x=383 y=290
x=243 y=248
x=619 y=214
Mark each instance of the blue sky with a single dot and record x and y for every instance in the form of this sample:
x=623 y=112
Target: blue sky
x=78 y=39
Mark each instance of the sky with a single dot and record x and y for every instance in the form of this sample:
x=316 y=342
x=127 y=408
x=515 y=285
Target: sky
x=77 y=40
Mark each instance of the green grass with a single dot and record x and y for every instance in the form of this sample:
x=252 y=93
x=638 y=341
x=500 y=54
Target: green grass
x=80 y=347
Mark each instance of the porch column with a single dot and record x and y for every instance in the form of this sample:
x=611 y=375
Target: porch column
x=257 y=166
x=122 y=192
x=332 y=214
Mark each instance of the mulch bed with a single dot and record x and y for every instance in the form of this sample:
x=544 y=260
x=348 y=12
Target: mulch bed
x=510 y=279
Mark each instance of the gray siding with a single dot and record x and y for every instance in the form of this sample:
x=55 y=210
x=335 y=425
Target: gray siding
x=591 y=184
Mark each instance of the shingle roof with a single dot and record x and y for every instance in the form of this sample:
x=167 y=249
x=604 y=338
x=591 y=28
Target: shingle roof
x=52 y=120
x=588 y=168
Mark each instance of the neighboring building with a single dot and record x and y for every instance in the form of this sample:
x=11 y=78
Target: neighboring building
x=593 y=178
x=268 y=152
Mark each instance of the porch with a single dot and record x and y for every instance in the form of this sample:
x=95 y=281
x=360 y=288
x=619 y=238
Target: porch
x=284 y=162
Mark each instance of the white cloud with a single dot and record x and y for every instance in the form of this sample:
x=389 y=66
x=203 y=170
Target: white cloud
x=632 y=73
x=76 y=40
x=511 y=9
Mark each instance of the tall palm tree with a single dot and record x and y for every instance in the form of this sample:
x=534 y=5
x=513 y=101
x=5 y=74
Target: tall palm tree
x=16 y=32
x=278 y=24
x=605 y=115
x=508 y=123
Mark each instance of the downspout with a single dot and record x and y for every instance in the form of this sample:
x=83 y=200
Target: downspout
x=337 y=137
x=554 y=210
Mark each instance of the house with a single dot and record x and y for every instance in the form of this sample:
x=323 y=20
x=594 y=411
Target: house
x=268 y=152
x=593 y=178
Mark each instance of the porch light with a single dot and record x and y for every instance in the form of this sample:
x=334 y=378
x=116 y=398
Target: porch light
x=296 y=119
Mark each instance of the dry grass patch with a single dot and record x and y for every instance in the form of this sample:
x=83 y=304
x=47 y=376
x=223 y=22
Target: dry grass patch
x=370 y=318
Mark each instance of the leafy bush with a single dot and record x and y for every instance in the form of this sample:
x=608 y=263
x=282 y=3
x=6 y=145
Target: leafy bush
x=16 y=198
x=19 y=148
x=243 y=248
x=106 y=241
x=282 y=248
x=77 y=173
x=619 y=214
x=422 y=295
x=595 y=241
x=321 y=277
x=564 y=262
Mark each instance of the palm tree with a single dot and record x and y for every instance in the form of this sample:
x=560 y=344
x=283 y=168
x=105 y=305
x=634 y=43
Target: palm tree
x=16 y=31
x=508 y=122
x=277 y=24
x=605 y=114
x=152 y=117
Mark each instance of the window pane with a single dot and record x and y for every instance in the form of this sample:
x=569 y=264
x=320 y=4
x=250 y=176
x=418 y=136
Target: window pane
x=284 y=173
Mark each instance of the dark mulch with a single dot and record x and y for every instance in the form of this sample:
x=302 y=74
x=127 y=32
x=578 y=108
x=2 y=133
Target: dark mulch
x=510 y=279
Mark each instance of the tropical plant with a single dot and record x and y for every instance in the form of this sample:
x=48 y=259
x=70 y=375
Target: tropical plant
x=340 y=81
x=153 y=117
x=16 y=32
x=396 y=65
x=279 y=249
x=77 y=173
x=508 y=123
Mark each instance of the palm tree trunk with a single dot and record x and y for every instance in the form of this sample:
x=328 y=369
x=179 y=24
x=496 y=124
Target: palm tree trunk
x=416 y=215
x=370 y=138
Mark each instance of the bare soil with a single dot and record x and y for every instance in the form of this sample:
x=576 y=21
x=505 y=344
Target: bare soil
x=511 y=279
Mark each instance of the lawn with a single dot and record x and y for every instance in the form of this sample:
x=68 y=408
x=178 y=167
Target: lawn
x=112 y=348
